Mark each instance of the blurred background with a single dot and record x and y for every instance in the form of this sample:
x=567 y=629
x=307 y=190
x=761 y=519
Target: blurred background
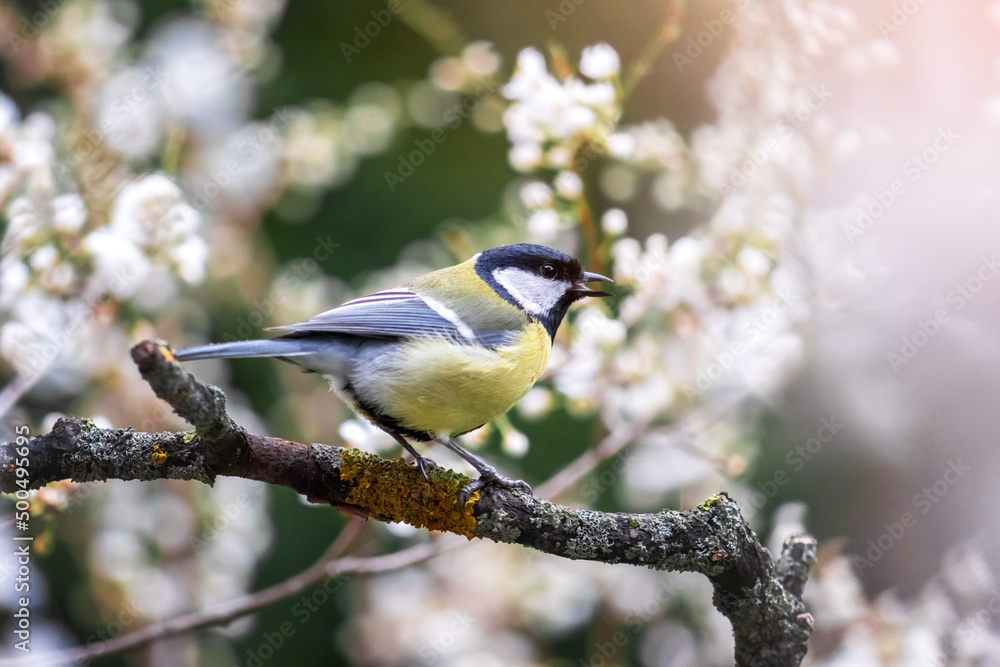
x=797 y=201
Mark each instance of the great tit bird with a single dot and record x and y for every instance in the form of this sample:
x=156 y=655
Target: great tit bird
x=439 y=355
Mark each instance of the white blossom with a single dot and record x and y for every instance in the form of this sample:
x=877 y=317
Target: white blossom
x=133 y=111
x=190 y=256
x=543 y=225
x=525 y=155
x=599 y=61
x=150 y=212
x=536 y=403
x=569 y=185
x=614 y=222
x=621 y=144
x=199 y=82
x=515 y=443
x=362 y=434
x=753 y=261
x=481 y=58
x=43 y=258
x=118 y=262
x=13 y=279
x=536 y=194
x=23 y=222
x=68 y=213
x=553 y=114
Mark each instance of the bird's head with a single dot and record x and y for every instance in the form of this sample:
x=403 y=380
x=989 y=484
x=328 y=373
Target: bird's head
x=541 y=281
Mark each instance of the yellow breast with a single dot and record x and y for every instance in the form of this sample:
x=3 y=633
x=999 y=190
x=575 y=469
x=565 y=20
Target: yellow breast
x=449 y=389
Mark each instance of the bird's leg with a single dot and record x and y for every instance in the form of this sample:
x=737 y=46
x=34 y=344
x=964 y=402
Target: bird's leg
x=423 y=462
x=488 y=475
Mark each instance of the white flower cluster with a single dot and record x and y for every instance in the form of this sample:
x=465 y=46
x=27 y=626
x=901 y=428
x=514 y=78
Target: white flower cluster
x=459 y=89
x=245 y=28
x=421 y=615
x=946 y=622
x=57 y=263
x=324 y=144
x=478 y=61
x=712 y=314
x=550 y=119
x=150 y=221
x=147 y=532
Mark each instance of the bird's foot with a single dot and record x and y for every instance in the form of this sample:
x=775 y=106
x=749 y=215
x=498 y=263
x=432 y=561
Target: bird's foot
x=425 y=464
x=492 y=479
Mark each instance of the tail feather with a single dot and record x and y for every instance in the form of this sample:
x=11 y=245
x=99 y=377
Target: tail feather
x=248 y=348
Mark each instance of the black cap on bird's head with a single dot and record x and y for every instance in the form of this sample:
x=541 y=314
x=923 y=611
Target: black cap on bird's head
x=540 y=280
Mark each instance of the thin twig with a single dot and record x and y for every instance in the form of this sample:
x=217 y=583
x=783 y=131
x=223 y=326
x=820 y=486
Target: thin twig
x=627 y=432
x=23 y=382
x=17 y=388
x=591 y=237
x=227 y=612
x=668 y=33
x=435 y=25
x=620 y=436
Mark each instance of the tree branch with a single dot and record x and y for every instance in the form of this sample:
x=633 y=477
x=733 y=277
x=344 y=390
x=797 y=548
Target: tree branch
x=763 y=601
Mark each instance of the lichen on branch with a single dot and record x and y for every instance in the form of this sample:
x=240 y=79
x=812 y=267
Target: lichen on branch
x=761 y=599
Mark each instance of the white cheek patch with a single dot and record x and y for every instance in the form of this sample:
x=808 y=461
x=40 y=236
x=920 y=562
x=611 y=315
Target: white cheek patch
x=535 y=294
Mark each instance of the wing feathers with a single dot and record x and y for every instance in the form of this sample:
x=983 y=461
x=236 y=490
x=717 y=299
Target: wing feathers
x=395 y=314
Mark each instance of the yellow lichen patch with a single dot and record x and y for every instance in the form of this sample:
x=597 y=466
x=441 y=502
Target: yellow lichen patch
x=188 y=436
x=707 y=505
x=393 y=490
x=159 y=456
x=167 y=353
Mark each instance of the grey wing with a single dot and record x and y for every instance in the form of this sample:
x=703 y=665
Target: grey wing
x=395 y=314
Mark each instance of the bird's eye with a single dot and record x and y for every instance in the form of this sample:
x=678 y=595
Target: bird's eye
x=548 y=271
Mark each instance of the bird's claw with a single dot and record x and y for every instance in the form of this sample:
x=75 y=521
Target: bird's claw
x=492 y=479
x=425 y=464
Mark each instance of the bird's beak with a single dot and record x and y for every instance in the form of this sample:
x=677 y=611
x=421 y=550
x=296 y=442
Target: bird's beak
x=582 y=290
